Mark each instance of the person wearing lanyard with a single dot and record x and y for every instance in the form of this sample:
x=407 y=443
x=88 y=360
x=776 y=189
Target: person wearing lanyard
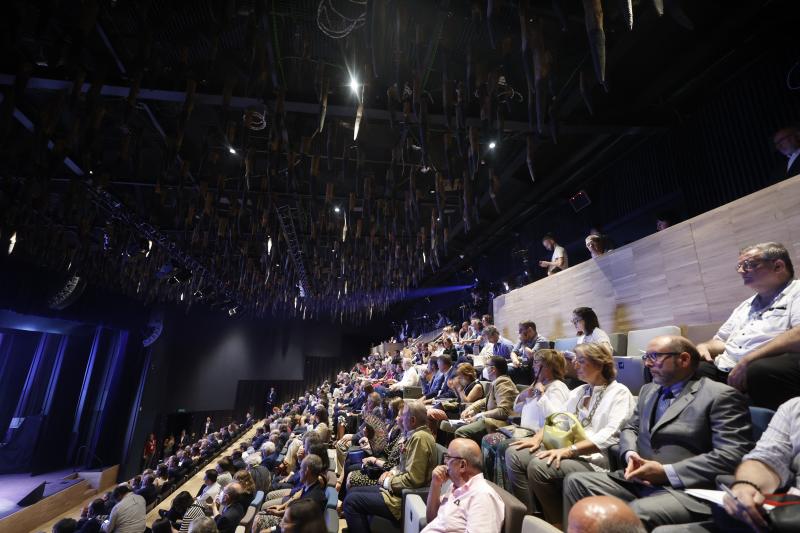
x=757 y=350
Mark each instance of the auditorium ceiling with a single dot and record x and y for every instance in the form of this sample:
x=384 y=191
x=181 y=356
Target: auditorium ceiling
x=319 y=158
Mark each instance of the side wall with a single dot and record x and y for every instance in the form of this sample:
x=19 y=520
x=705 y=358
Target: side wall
x=684 y=275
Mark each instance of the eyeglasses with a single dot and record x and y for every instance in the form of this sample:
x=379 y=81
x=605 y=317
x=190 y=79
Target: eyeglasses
x=447 y=457
x=657 y=357
x=750 y=264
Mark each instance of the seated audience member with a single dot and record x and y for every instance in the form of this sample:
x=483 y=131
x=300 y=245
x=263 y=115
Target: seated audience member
x=417 y=461
x=502 y=346
x=312 y=488
x=229 y=511
x=303 y=516
x=588 y=327
x=757 y=350
x=529 y=343
x=92 y=517
x=684 y=432
x=148 y=490
x=559 y=260
x=601 y=406
x=237 y=461
x=225 y=472
x=446 y=371
x=260 y=474
x=203 y=524
x=431 y=380
x=410 y=377
x=180 y=504
x=596 y=245
x=210 y=487
x=787 y=142
x=65 y=525
x=161 y=525
x=492 y=411
x=390 y=457
x=467 y=386
x=200 y=507
x=603 y=514
x=470 y=504
x=547 y=395
x=128 y=514
x=245 y=480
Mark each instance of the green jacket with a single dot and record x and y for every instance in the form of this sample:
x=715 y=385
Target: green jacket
x=417 y=461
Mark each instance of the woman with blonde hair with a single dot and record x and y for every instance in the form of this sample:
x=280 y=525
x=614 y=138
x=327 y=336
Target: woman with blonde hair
x=599 y=407
x=548 y=394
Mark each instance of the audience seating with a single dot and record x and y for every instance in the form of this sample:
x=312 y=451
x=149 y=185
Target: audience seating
x=630 y=368
x=532 y=524
x=619 y=343
x=258 y=500
x=760 y=417
x=412 y=393
x=414 y=519
x=247 y=519
x=701 y=332
x=566 y=344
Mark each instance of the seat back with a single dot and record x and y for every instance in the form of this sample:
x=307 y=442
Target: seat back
x=333 y=497
x=514 y=510
x=698 y=333
x=412 y=393
x=638 y=338
x=619 y=343
x=761 y=417
x=566 y=344
x=247 y=519
x=258 y=500
x=630 y=372
x=440 y=451
x=521 y=387
x=532 y=524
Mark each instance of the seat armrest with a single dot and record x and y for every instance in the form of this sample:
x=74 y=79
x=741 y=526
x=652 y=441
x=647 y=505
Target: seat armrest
x=614 y=461
x=414 y=517
x=331 y=521
x=422 y=492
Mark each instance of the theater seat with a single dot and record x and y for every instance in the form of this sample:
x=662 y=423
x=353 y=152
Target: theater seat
x=257 y=500
x=247 y=519
x=532 y=524
x=331 y=521
x=566 y=344
x=412 y=393
x=333 y=497
x=761 y=417
x=619 y=343
x=630 y=369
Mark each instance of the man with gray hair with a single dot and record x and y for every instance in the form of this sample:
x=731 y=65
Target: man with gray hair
x=203 y=524
x=470 y=503
x=757 y=350
x=231 y=510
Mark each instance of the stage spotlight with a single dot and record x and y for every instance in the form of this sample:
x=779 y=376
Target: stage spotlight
x=12 y=241
x=492 y=145
x=181 y=296
x=354 y=85
x=269 y=245
x=337 y=209
x=232 y=150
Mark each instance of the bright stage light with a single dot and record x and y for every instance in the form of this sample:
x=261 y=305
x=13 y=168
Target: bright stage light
x=12 y=242
x=492 y=145
x=354 y=85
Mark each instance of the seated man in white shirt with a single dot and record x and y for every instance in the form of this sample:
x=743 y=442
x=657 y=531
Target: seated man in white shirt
x=470 y=503
x=757 y=350
x=410 y=377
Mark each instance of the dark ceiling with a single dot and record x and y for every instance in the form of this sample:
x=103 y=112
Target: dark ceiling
x=223 y=132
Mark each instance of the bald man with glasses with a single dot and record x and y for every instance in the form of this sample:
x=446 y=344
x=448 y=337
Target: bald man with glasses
x=757 y=350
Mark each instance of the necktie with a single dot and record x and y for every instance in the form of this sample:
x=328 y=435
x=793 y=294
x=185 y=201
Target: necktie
x=664 y=400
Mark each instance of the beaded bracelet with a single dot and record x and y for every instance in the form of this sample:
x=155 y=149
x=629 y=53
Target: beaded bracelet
x=745 y=482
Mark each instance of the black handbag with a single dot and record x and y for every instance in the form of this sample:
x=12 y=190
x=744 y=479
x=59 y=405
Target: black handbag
x=373 y=471
x=785 y=516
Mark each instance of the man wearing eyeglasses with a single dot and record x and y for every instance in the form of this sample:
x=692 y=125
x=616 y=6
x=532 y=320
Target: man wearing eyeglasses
x=757 y=350
x=684 y=432
x=470 y=503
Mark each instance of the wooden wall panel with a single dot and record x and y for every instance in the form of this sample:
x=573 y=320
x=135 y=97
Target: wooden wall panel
x=682 y=276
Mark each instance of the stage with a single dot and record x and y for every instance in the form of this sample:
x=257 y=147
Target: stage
x=14 y=487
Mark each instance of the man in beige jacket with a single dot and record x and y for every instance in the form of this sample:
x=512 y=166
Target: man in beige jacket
x=493 y=410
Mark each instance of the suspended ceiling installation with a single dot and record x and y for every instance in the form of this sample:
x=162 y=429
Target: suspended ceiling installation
x=319 y=158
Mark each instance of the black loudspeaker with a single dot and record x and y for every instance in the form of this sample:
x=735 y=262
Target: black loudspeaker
x=579 y=200
x=33 y=496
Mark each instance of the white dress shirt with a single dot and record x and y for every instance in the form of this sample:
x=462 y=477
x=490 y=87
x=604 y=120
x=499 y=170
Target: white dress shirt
x=533 y=411
x=751 y=325
x=410 y=379
x=473 y=507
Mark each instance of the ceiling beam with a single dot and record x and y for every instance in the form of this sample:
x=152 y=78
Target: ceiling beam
x=178 y=97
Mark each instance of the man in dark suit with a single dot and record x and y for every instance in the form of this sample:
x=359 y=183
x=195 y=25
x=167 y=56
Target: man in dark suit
x=208 y=427
x=272 y=400
x=787 y=142
x=148 y=490
x=684 y=432
x=231 y=510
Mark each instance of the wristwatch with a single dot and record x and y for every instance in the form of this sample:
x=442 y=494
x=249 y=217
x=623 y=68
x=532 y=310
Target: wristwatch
x=574 y=450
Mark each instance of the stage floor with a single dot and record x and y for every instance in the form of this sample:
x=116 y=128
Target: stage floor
x=14 y=487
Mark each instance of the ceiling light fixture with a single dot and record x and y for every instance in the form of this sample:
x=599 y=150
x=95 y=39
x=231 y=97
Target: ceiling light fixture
x=492 y=145
x=232 y=150
x=354 y=85
x=12 y=241
x=337 y=209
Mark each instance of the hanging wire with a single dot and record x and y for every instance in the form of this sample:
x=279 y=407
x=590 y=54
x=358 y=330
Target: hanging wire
x=335 y=24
